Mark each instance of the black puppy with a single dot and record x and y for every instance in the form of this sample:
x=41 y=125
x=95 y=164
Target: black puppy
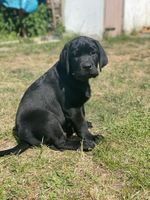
x=52 y=108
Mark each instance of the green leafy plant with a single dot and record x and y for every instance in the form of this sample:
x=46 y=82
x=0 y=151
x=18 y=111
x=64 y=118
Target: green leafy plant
x=8 y=20
x=59 y=29
x=37 y=23
x=33 y=24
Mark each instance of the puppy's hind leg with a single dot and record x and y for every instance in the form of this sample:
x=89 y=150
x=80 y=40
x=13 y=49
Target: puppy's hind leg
x=61 y=140
x=55 y=135
x=67 y=144
x=64 y=143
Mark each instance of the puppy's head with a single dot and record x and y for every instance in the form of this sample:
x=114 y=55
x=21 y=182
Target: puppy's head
x=81 y=56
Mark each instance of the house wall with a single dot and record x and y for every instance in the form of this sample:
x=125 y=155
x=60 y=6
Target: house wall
x=136 y=14
x=85 y=17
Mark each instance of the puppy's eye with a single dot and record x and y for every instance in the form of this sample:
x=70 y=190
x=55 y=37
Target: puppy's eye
x=92 y=53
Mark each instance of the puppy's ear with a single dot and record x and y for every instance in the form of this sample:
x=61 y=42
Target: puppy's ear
x=64 y=59
x=103 y=60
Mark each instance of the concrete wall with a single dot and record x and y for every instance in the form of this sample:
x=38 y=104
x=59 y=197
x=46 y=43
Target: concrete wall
x=136 y=14
x=85 y=17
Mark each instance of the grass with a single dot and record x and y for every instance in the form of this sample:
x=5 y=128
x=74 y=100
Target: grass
x=119 y=167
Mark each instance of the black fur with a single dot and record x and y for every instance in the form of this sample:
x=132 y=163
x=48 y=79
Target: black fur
x=52 y=108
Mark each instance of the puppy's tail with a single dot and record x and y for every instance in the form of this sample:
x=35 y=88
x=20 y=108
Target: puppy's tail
x=20 y=148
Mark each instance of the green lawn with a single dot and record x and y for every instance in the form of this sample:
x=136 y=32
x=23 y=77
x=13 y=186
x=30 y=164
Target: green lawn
x=119 y=167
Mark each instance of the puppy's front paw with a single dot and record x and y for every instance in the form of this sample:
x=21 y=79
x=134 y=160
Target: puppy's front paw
x=88 y=145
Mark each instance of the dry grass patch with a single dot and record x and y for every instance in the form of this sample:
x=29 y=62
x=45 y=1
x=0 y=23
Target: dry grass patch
x=118 y=168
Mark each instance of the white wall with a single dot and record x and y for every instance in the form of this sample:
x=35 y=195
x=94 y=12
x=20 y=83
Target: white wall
x=136 y=14
x=84 y=16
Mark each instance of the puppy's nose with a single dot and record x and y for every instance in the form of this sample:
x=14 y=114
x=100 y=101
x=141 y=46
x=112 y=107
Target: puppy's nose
x=87 y=66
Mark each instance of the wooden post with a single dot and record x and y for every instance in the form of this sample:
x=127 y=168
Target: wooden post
x=50 y=4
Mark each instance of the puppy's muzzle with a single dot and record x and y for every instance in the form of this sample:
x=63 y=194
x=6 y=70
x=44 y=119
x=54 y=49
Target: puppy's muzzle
x=91 y=70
